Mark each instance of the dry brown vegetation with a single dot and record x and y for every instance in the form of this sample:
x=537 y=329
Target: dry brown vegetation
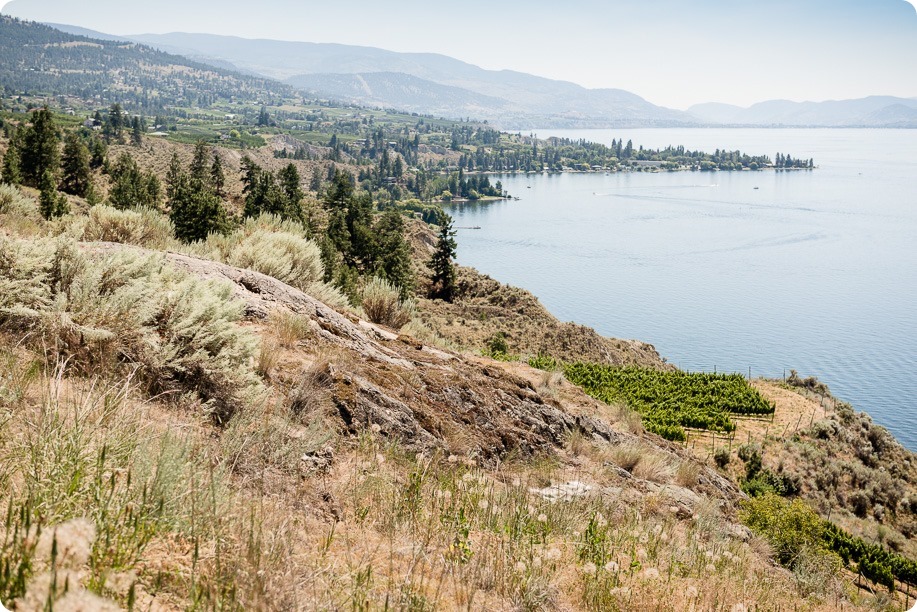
x=347 y=467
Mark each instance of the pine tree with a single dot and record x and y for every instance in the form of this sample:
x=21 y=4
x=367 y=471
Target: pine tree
x=442 y=270
x=393 y=254
x=11 y=172
x=136 y=132
x=114 y=125
x=75 y=165
x=200 y=163
x=195 y=209
x=195 y=213
x=39 y=151
x=289 y=180
x=264 y=119
x=174 y=175
x=99 y=151
x=92 y=195
x=217 y=176
x=132 y=187
x=51 y=203
x=316 y=183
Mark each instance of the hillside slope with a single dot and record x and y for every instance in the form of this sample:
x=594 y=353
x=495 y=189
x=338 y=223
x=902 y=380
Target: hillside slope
x=319 y=461
x=40 y=60
x=512 y=99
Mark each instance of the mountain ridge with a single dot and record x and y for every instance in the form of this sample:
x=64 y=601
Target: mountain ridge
x=520 y=100
x=871 y=111
x=436 y=84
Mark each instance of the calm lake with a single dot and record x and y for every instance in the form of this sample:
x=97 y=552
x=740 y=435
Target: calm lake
x=815 y=271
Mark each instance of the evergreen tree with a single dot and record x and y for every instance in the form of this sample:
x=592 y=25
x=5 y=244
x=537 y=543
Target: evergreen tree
x=441 y=267
x=114 y=124
x=289 y=180
x=316 y=183
x=39 y=151
x=200 y=163
x=131 y=187
x=75 y=165
x=174 y=175
x=92 y=195
x=99 y=151
x=11 y=172
x=196 y=213
x=51 y=203
x=264 y=119
x=217 y=176
x=393 y=254
x=136 y=132
x=196 y=210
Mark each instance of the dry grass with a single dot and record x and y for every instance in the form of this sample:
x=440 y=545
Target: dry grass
x=654 y=467
x=687 y=474
x=382 y=304
x=628 y=456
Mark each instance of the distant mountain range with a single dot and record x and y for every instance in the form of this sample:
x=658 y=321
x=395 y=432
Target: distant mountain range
x=439 y=85
x=41 y=60
x=419 y=82
x=874 y=111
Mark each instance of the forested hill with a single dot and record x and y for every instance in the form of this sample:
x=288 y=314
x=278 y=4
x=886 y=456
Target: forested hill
x=39 y=60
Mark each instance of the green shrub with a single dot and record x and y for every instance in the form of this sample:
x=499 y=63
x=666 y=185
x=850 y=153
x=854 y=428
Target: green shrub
x=497 y=347
x=543 y=362
x=130 y=309
x=139 y=226
x=382 y=304
x=722 y=458
x=789 y=526
x=12 y=202
x=277 y=248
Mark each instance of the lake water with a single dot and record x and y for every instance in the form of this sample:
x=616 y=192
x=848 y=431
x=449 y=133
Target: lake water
x=815 y=271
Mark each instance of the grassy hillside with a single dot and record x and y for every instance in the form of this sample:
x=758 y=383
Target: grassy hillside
x=178 y=432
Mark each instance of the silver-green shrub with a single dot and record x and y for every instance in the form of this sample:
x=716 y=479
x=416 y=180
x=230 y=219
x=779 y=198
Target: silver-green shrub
x=275 y=247
x=382 y=304
x=140 y=226
x=130 y=309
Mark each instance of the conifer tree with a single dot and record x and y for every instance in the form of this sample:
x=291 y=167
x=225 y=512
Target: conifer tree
x=92 y=195
x=11 y=171
x=136 y=132
x=217 y=176
x=316 y=183
x=39 y=151
x=289 y=180
x=196 y=213
x=393 y=254
x=200 y=165
x=195 y=209
x=51 y=203
x=75 y=166
x=114 y=124
x=131 y=187
x=441 y=267
x=99 y=151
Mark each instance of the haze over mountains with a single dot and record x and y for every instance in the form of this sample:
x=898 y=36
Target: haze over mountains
x=440 y=85
x=874 y=111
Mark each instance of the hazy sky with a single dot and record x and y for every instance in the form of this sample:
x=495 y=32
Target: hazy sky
x=672 y=52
